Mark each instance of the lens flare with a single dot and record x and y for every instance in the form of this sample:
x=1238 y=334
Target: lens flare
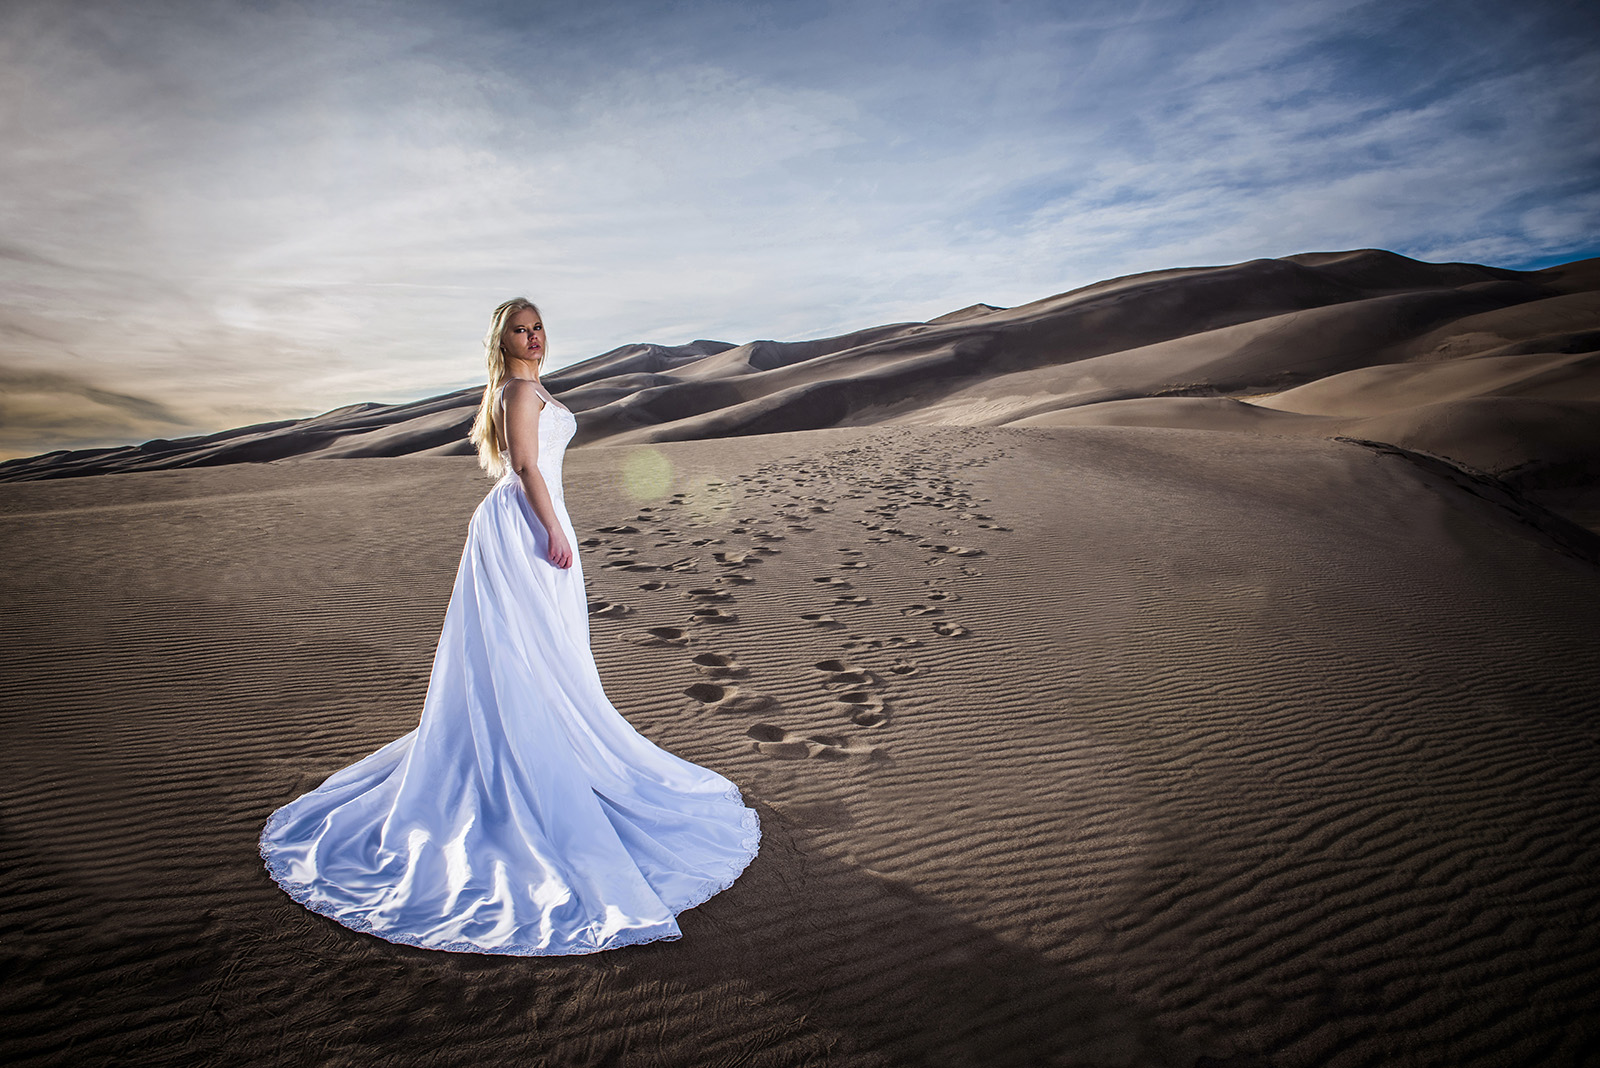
x=646 y=475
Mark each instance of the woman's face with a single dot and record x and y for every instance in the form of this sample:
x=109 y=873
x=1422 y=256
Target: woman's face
x=524 y=336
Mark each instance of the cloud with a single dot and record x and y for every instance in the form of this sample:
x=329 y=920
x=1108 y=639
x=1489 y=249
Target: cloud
x=259 y=210
x=41 y=405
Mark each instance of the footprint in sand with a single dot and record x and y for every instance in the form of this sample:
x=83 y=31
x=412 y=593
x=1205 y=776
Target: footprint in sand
x=620 y=529
x=843 y=673
x=722 y=697
x=921 y=610
x=852 y=600
x=852 y=688
x=776 y=742
x=821 y=619
x=590 y=543
x=727 y=559
x=655 y=584
x=943 y=596
x=854 y=565
x=708 y=593
x=709 y=614
x=950 y=630
x=832 y=580
x=608 y=610
x=955 y=550
x=735 y=579
x=656 y=636
x=862 y=708
x=718 y=665
x=903 y=667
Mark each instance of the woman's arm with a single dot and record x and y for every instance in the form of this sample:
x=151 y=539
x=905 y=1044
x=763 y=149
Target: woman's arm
x=523 y=405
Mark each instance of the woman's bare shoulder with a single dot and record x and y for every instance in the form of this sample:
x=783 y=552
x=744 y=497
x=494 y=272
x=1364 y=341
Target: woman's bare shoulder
x=519 y=392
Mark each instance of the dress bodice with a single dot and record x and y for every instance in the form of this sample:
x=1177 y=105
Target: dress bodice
x=557 y=425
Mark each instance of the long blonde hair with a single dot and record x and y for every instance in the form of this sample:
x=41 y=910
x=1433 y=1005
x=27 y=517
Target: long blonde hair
x=486 y=427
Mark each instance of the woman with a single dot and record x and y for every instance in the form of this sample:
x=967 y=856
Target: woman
x=523 y=815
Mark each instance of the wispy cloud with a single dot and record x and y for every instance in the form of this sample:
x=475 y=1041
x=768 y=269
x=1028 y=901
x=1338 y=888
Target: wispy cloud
x=70 y=412
x=255 y=210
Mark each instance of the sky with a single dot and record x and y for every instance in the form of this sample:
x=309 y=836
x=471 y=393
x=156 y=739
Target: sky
x=221 y=213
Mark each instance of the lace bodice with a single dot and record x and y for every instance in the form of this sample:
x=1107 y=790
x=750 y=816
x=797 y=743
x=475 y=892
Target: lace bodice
x=556 y=427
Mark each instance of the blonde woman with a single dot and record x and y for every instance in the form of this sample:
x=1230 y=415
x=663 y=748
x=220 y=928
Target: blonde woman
x=523 y=815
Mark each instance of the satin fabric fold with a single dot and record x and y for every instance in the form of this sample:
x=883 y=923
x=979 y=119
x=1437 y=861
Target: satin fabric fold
x=523 y=815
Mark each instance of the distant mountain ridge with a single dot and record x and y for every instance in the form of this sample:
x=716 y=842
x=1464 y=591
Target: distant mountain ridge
x=1303 y=344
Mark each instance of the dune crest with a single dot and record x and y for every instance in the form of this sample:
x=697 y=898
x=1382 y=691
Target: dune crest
x=1494 y=369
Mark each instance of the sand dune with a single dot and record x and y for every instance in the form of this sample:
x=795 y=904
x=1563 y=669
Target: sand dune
x=1195 y=669
x=1346 y=335
x=1096 y=745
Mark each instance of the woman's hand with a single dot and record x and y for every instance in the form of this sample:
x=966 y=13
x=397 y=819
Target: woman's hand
x=560 y=550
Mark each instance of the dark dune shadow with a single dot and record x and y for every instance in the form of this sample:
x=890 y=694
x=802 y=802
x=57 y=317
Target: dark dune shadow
x=805 y=961
x=898 y=974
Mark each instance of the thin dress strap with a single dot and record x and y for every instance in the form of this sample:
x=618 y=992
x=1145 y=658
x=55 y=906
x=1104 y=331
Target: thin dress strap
x=538 y=388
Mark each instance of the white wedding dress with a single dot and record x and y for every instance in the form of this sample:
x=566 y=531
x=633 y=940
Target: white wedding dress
x=523 y=815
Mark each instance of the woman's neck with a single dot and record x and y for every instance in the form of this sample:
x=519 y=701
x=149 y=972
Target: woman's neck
x=525 y=369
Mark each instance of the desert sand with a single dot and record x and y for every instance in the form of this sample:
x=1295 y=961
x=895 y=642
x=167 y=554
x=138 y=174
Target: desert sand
x=1154 y=730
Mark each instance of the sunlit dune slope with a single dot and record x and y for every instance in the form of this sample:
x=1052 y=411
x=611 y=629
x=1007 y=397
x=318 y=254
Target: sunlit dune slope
x=1494 y=369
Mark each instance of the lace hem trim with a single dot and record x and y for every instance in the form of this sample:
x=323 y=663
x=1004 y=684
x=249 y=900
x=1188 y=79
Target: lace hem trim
x=749 y=845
